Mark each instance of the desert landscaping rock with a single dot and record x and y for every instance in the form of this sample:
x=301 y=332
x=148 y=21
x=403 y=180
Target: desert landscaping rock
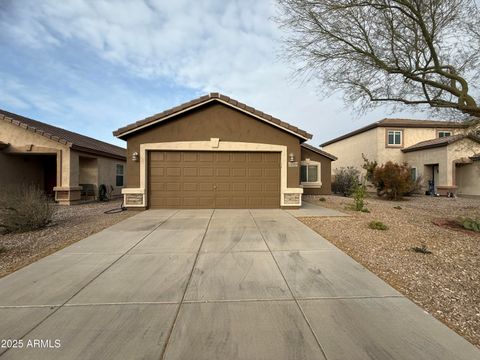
x=70 y=224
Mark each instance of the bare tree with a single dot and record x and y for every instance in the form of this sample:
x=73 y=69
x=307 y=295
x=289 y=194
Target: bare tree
x=405 y=51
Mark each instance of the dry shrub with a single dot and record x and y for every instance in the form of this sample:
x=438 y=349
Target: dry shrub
x=24 y=208
x=393 y=180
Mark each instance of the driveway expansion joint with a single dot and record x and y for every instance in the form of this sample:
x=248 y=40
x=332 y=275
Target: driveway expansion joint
x=182 y=300
x=57 y=308
x=290 y=290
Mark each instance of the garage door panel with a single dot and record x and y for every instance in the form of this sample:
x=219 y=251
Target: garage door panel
x=189 y=187
x=173 y=171
x=255 y=173
x=239 y=157
x=173 y=156
x=205 y=156
x=222 y=172
x=190 y=156
x=206 y=171
x=157 y=156
x=181 y=179
x=269 y=173
x=190 y=171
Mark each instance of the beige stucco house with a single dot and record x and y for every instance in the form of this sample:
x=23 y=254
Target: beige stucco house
x=62 y=163
x=438 y=151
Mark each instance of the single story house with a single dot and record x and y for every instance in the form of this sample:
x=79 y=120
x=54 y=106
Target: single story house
x=60 y=162
x=443 y=153
x=215 y=152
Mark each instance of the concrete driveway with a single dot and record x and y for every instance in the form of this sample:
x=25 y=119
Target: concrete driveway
x=204 y=284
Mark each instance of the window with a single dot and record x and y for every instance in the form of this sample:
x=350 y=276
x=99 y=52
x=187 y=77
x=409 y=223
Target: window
x=119 y=175
x=394 y=137
x=310 y=173
x=413 y=173
x=444 y=133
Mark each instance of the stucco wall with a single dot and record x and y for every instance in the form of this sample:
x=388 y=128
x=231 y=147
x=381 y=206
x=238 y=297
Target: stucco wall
x=349 y=151
x=17 y=169
x=419 y=160
x=107 y=173
x=325 y=173
x=468 y=179
x=212 y=121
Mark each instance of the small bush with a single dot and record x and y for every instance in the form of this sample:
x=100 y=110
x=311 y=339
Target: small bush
x=322 y=199
x=377 y=225
x=345 y=181
x=370 y=167
x=359 y=196
x=393 y=180
x=471 y=224
x=24 y=208
x=365 y=210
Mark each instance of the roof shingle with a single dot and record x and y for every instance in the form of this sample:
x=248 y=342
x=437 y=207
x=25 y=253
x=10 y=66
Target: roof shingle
x=319 y=151
x=203 y=100
x=438 y=142
x=65 y=137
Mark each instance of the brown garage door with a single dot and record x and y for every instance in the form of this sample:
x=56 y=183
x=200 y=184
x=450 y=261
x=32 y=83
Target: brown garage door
x=207 y=179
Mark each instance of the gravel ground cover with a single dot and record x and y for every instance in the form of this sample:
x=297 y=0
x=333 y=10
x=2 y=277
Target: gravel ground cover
x=446 y=283
x=70 y=224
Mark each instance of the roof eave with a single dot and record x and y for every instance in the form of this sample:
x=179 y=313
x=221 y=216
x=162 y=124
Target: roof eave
x=99 y=152
x=129 y=129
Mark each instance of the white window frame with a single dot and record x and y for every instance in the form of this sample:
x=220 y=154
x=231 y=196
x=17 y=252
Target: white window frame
x=444 y=131
x=394 y=131
x=316 y=184
x=122 y=174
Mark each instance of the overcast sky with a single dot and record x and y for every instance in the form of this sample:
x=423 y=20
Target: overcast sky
x=94 y=66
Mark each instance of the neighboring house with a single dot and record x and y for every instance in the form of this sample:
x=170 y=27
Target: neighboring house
x=438 y=151
x=57 y=160
x=215 y=152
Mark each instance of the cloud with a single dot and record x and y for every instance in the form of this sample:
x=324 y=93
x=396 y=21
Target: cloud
x=180 y=48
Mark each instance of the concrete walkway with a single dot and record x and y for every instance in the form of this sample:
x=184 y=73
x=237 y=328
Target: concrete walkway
x=308 y=209
x=223 y=284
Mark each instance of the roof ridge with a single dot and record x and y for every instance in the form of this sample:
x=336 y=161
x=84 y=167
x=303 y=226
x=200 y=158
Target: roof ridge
x=164 y=115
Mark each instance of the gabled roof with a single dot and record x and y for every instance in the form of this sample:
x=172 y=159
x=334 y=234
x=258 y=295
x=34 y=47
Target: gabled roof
x=167 y=114
x=65 y=137
x=438 y=142
x=319 y=151
x=403 y=123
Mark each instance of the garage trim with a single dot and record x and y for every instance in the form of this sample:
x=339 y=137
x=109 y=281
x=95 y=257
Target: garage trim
x=136 y=197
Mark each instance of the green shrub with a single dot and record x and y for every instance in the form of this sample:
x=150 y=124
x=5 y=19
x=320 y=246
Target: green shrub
x=377 y=225
x=322 y=199
x=345 y=181
x=24 y=208
x=365 y=210
x=471 y=224
x=359 y=196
